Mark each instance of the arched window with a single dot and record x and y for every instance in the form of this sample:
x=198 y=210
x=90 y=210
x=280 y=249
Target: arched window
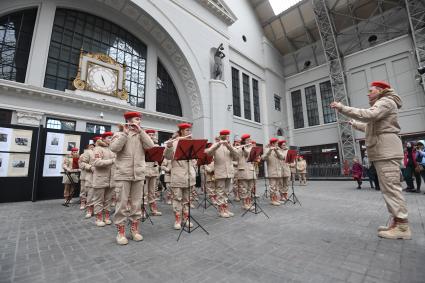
x=15 y=43
x=73 y=30
x=167 y=99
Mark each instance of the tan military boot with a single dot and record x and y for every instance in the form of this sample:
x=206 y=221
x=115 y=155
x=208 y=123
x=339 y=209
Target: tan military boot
x=227 y=209
x=99 y=220
x=274 y=200
x=222 y=211
x=82 y=203
x=388 y=227
x=186 y=220
x=249 y=205
x=107 y=218
x=89 y=212
x=399 y=230
x=121 y=238
x=154 y=209
x=135 y=234
x=177 y=223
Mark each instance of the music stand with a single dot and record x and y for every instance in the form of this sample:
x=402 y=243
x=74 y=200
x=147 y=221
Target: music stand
x=73 y=186
x=291 y=157
x=188 y=150
x=254 y=154
x=154 y=154
x=204 y=160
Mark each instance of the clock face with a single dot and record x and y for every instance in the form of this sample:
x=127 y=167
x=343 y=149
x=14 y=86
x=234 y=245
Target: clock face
x=102 y=79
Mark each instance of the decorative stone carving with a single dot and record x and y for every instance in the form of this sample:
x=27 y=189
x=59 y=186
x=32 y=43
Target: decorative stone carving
x=220 y=9
x=29 y=118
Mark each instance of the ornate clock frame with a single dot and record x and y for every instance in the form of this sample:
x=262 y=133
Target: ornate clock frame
x=86 y=59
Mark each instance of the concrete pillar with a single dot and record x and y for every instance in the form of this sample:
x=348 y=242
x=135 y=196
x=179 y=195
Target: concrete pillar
x=220 y=106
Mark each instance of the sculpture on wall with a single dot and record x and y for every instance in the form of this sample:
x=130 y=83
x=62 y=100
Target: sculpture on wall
x=218 y=63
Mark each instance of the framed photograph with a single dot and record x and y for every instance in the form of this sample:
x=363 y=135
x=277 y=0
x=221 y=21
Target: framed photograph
x=55 y=143
x=21 y=140
x=71 y=141
x=52 y=165
x=71 y=145
x=18 y=165
x=4 y=163
x=5 y=138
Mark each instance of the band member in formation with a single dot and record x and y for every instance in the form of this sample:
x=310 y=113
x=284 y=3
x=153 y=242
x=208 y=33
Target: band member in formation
x=302 y=170
x=274 y=157
x=208 y=170
x=129 y=145
x=86 y=164
x=104 y=159
x=151 y=181
x=385 y=151
x=179 y=179
x=293 y=168
x=166 y=167
x=236 y=189
x=246 y=173
x=70 y=165
x=223 y=153
x=286 y=172
x=83 y=173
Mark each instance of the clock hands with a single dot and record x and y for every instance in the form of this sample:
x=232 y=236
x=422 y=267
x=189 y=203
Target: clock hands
x=103 y=80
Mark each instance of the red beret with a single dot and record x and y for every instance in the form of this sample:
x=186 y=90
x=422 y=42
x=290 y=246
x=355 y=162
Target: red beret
x=107 y=134
x=245 y=136
x=224 y=132
x=272 y=140
x=95 y=139
x=150 y=131
x=182 y=126
x=74 y=149
x=281 y=141
x=128 y=115
x=380 y=84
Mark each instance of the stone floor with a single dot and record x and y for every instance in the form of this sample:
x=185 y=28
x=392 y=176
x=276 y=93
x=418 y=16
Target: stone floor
x=330 y=238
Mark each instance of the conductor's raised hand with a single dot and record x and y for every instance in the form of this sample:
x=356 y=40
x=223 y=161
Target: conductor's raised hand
x=336 y=105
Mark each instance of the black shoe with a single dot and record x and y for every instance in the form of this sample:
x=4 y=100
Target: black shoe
x=418 y=191
x=359 y=188
x=372 y=187
x=410 y=190
x=377 y=188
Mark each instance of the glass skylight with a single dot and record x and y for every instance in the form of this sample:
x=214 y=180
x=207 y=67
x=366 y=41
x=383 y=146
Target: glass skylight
x=279 y=6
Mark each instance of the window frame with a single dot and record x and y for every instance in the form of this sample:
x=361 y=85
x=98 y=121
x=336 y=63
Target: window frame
x=277 y=97
x=326 y=101
x=61 y=121
x=312 y=106
x=107 y=128
x=297 y=109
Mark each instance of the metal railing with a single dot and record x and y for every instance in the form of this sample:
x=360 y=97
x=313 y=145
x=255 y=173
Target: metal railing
x=324 y=170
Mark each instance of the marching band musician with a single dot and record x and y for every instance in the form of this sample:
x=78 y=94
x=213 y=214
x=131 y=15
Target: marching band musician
x=179 y=179
x=246 y=173
x=223 y=153
x=273 y=156
x=166 y=167
x=104 y=160
x=151 y=178
x=70 y=165
x=210 y=182
x=129 y=145
x=86 y=164
x=286 y=172
x=236 y=189
x=83 y=177
x=302 y=170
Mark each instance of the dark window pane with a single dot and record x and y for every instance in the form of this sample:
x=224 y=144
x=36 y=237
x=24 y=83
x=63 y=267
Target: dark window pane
x=329 y=115
x=277 y=103
x=256 y=98
x=311 y=103
x=297 y=109
x=53 y=123
x=246 y=97
x=97 y=129
x=16 y=31
x=73 y=30
x=236 y=93
x=167 y=98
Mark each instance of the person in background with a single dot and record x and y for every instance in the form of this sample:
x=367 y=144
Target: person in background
x=366 y=169
x=420 y=159
x=357 y=172
x=70 y=165
x=302 y=170
x=410 y=164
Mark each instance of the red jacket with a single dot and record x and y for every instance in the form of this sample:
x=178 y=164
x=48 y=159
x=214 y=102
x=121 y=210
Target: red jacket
x=413 y=157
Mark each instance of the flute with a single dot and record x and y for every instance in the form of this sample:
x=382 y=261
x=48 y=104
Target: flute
x=242 y=146
x=178 y=138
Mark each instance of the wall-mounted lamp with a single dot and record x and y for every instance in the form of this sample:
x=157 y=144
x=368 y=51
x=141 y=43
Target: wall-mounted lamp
x=229 y=107
x=101 y=115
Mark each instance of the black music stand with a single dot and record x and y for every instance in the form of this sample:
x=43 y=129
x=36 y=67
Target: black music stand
x=291 y=157
x=254 y=154
x=74 y=186
x=188 y=150
x=154 y=154
x=204 y=160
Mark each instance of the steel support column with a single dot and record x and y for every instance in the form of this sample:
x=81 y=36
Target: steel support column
x=416 y=13
x=336 y=74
